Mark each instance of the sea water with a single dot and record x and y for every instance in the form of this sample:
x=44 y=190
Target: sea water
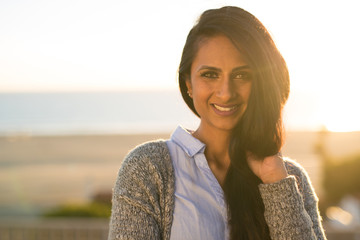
x=120 y=112
x=93 y=112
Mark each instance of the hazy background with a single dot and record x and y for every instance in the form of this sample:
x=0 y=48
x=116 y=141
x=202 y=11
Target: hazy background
x=82 y=82
x=83 y=45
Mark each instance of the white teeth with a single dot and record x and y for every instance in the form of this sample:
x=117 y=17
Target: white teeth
x=224 y=109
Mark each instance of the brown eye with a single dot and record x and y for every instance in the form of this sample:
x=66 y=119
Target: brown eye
x=242 y=76
x=209 y=75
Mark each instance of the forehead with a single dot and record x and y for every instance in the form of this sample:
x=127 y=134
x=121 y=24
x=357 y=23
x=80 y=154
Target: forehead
x=218 y=51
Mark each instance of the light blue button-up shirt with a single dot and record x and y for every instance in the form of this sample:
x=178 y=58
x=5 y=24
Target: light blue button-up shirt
x=200 y=208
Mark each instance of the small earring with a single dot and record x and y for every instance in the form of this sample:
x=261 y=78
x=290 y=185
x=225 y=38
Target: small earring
x=189 y=94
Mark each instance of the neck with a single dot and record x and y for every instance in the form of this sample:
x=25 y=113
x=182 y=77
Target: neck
x=217 y=150
x=217 y=142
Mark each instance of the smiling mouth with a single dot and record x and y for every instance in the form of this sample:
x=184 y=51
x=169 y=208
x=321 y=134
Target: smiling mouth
x=225 y=109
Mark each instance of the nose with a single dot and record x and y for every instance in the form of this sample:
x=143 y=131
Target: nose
x=226 y=91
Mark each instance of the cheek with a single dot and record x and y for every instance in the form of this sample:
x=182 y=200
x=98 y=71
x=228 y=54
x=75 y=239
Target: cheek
x=201 y=89
x=201 y=94
x=245 y=92
x=198 y=96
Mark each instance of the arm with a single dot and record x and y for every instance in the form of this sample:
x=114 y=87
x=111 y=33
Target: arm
x=290 y=202
x=291 y=210
x=139 y=207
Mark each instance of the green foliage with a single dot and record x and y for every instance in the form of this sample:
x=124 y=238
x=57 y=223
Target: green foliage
x=341 y=177
x=94 y=209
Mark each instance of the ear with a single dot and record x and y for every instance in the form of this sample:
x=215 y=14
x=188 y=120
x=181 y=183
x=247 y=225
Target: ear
x=189 y=87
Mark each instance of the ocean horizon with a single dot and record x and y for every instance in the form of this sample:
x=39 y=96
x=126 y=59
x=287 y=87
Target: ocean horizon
x=65 y=113
x=123 y=112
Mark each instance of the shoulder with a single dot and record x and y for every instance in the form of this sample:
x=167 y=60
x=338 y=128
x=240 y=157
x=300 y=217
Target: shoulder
x=302 y=178
x=150 y=160
x=143 y=192
x=148 y=151
x=293 y=167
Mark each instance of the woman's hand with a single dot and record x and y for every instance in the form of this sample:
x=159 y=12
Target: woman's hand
x=269 y=170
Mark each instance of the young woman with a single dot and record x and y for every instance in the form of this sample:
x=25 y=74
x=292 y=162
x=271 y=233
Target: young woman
x=227 y=179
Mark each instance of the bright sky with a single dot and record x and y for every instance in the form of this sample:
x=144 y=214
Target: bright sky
x=71 y=45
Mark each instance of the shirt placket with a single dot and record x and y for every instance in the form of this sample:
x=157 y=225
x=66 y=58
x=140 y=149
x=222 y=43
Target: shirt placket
x=203 y=165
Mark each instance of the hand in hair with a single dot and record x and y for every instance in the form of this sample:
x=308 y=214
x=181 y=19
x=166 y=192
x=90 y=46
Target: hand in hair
x=270 y=169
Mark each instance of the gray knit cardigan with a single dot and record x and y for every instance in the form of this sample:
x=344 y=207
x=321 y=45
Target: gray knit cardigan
x=143 y=199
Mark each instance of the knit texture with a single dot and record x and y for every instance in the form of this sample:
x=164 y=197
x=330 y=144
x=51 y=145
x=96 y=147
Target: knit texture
x=143 y=202
x=143 y=199
x=291 y=206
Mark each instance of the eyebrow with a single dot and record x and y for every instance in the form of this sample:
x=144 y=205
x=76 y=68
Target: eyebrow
x=219 y=70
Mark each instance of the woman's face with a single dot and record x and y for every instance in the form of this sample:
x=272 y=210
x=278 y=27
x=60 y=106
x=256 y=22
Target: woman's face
x=219 y=84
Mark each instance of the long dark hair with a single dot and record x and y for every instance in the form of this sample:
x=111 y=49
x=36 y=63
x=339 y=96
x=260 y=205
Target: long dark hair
x=260 y=130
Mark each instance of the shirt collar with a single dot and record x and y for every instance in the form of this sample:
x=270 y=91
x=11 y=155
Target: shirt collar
x=187 y=142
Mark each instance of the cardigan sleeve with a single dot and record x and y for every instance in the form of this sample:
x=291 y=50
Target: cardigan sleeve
x=291 y=206
x=140 y=203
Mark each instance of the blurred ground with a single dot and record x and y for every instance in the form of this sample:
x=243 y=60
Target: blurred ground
x=37 y=172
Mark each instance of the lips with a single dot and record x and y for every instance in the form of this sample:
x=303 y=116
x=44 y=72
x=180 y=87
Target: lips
x=225 y=110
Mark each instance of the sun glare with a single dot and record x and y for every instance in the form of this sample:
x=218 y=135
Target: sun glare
x=327 y=73
x=346 y=121
x=339 y=107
